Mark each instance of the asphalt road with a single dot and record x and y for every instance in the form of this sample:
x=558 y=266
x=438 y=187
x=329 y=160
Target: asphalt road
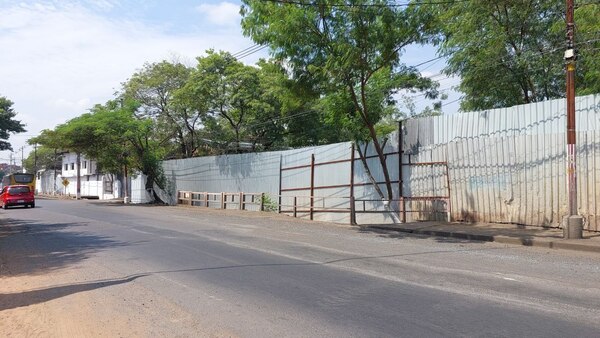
x=194 y=272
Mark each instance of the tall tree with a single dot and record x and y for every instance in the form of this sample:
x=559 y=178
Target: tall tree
x=125 y=141
x=509 y=52
x=243 y=104
x=114 y=137
x=154 y=88
x=8 y=124
x=349 y=50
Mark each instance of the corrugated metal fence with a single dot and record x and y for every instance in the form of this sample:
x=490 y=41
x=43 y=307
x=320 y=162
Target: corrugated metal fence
x=508 y=165
x=501 y=165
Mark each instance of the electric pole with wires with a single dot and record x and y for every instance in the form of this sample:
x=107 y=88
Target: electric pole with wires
x=573 y=223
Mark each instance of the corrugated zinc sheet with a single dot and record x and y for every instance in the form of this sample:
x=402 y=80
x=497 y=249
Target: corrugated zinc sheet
x=508 y=165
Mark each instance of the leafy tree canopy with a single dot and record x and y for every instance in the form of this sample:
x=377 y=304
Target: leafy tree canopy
x=511 y=52
x=350 y=52
x=8 y=124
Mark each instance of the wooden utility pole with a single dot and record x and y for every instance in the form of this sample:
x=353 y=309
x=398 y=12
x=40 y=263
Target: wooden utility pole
x=573 y=223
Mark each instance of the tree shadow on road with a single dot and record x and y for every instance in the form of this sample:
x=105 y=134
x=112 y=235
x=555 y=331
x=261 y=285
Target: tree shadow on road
x=33 y=247
x=16 y=300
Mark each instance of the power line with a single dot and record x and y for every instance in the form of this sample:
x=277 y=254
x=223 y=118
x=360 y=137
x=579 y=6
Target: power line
x=387 y=5
x=244 y=50
x=251 y=52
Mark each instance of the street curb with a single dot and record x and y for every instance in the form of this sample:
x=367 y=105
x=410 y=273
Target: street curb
x=523 y=241
x=439 y=233
x=550 y=244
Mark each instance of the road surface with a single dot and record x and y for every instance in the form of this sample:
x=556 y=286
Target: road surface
x=81 y=268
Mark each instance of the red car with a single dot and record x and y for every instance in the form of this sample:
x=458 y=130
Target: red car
x=17 y=195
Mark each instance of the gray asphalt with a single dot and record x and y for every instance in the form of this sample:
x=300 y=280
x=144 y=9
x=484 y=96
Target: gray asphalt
x=275 y=276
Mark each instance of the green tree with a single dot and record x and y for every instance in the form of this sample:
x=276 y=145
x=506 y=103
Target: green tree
x=243 y=105
x=350 y=51
x=114 y=137
x=154 y=87
x=8 y=124
x=509 y=52
x=125 y=141
x=587 y=41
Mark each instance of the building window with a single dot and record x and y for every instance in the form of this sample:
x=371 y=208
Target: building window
x=66 y=166
x=72 y=166
x=84 y=164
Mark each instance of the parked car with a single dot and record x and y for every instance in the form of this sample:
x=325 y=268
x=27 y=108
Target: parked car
x=17 y=195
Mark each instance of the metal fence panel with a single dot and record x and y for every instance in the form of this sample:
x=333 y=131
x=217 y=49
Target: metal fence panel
x=508 y=165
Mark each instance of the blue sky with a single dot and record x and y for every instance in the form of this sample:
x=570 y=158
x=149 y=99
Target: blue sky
x=59 y=58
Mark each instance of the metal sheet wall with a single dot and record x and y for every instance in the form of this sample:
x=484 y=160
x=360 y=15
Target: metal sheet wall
x=508 y=165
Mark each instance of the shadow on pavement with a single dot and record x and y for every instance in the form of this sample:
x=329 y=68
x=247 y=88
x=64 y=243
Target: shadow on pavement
x=32 y=247
x=37 y=296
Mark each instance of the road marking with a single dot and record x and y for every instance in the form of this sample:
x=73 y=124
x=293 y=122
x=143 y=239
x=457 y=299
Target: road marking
x=143 y=232
x=499 y=274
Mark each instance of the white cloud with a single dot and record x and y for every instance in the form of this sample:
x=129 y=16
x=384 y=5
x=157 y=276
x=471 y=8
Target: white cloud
x=58 y=61
x=223 y=14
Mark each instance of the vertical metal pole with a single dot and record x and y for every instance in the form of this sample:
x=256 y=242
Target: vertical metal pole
x=448 y=183
x=295 y=206
x=35 y=158
x=262 y=201
x=280 y=180
x=242 y=201
x=573 y=226
x=352 y=206
x=312 y=184
x=401 y=173
x=78 y=192
x=22 y=159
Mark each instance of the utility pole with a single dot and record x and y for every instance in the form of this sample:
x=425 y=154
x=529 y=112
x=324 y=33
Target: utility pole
x=573 y=223
x=22 y=162
x=78 y=192
x=35 y=158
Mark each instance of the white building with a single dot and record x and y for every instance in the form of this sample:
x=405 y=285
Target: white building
x=93 y=184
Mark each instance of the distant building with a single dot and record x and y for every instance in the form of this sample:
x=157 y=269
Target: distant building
x=64 y=182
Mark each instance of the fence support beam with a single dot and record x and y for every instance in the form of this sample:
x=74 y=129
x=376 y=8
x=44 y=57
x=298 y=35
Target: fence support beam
x=401 y=173
x=352 y=206
x=312 y=184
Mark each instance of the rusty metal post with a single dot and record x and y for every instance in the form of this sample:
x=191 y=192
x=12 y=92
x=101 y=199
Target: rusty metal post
x=262 y=201
x=448 y=183
x=295 y=206
x=401 y=173
x=312 y=184
x=279 y=197
x=352 y=206
x=242 y=207
x=573 y=224
x=223 y=200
